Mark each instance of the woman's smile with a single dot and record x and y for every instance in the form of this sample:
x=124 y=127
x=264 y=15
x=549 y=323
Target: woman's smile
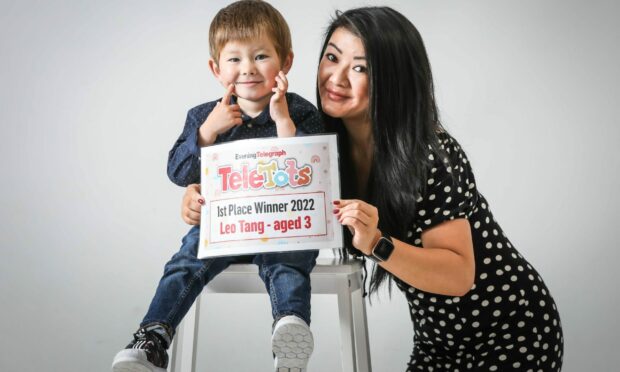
x=335 y=95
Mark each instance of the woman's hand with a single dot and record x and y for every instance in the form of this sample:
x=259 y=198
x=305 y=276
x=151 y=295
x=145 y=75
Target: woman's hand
x=362 y=219
x=192 y=202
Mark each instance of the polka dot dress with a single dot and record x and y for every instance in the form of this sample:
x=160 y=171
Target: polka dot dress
x=508 y=321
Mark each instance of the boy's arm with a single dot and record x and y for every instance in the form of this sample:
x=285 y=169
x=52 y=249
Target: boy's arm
x=202 y=126
x=184 y=158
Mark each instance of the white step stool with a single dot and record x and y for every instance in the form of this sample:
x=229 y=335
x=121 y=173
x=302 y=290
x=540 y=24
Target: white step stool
x=330 y=276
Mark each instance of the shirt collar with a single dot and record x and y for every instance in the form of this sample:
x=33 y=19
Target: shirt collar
x=261 y=119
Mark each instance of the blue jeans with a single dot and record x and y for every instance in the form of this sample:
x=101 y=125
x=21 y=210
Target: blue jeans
x=286 y=276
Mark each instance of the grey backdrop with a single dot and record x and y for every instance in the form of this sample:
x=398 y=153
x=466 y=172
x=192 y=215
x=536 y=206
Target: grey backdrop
x=93 y=95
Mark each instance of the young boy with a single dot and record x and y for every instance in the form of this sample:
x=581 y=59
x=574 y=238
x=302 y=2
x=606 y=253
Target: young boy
x=250 y=48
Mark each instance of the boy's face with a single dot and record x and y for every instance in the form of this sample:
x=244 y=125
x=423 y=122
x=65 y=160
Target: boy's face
x=252 y=66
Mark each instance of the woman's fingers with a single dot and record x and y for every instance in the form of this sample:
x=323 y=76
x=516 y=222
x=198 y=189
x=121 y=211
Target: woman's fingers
x=354 y=223
x=363 y=234
x=348 y=204
x=195 y=206
x=191 y=217
x=355 y=214
x=360 y=209
x=192 y=202
x=192 y=192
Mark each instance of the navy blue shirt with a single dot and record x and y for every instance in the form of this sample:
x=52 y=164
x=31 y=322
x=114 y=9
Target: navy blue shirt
x=184 y=158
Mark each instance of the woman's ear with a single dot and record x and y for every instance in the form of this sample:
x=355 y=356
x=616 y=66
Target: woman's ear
x=288 y=63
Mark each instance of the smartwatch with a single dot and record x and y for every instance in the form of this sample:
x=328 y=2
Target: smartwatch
x=382 y=250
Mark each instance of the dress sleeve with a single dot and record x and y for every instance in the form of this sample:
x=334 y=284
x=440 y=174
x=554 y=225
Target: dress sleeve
x=450 y=188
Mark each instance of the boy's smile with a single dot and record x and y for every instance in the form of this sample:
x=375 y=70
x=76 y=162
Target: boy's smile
x=252 y=66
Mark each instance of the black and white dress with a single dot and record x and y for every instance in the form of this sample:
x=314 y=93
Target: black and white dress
x=508 y=321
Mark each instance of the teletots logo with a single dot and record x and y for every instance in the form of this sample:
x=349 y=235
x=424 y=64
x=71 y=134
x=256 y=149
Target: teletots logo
x=267 y=176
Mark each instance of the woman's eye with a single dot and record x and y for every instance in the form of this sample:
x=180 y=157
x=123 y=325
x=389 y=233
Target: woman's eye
x=330 y=57
x=360 y=69
x=260 y=57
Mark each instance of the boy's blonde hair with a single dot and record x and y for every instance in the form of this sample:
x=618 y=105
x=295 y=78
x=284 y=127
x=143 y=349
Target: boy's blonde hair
x=245 y=20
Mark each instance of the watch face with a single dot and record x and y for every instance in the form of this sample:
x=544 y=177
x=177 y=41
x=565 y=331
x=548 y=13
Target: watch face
x=383 y=249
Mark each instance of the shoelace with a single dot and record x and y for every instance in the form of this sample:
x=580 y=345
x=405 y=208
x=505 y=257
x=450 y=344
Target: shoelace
x=139 y=339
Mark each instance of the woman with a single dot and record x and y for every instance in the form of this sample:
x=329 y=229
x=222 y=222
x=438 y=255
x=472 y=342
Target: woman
x=411 y=204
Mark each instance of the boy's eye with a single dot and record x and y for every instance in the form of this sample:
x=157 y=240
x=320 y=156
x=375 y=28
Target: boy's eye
x=260 y=57
x=233 y=59
x=360 y=68
x=331 y=57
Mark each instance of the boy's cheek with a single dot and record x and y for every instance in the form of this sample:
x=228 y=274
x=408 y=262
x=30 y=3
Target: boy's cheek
x=226 y=81
x=226 y=77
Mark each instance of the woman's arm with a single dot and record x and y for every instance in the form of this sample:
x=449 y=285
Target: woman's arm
x=444 y=266
x=446 y=263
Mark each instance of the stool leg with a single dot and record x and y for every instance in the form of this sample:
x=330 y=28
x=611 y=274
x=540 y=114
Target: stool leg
x=177 y=345
x=362 y=348
x=184 y=357
x=345 y=312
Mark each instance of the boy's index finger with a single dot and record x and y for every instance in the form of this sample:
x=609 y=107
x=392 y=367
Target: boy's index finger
x=229 y=92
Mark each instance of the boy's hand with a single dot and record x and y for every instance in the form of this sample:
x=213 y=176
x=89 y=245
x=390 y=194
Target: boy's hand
x=223 y=117
x=192 y=203
x=278 y=108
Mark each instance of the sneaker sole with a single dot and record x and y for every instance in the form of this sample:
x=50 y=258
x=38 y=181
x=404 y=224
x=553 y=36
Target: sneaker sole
x=292 y=344
x=132 y=360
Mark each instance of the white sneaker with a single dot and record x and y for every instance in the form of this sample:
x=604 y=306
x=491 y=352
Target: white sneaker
x=292 y=344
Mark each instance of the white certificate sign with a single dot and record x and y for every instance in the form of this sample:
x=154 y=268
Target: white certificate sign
x=269 y=195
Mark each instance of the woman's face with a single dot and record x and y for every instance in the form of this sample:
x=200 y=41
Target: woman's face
x=343 y=77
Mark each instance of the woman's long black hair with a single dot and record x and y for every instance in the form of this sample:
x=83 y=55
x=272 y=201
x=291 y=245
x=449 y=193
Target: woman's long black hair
x=404 y=116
